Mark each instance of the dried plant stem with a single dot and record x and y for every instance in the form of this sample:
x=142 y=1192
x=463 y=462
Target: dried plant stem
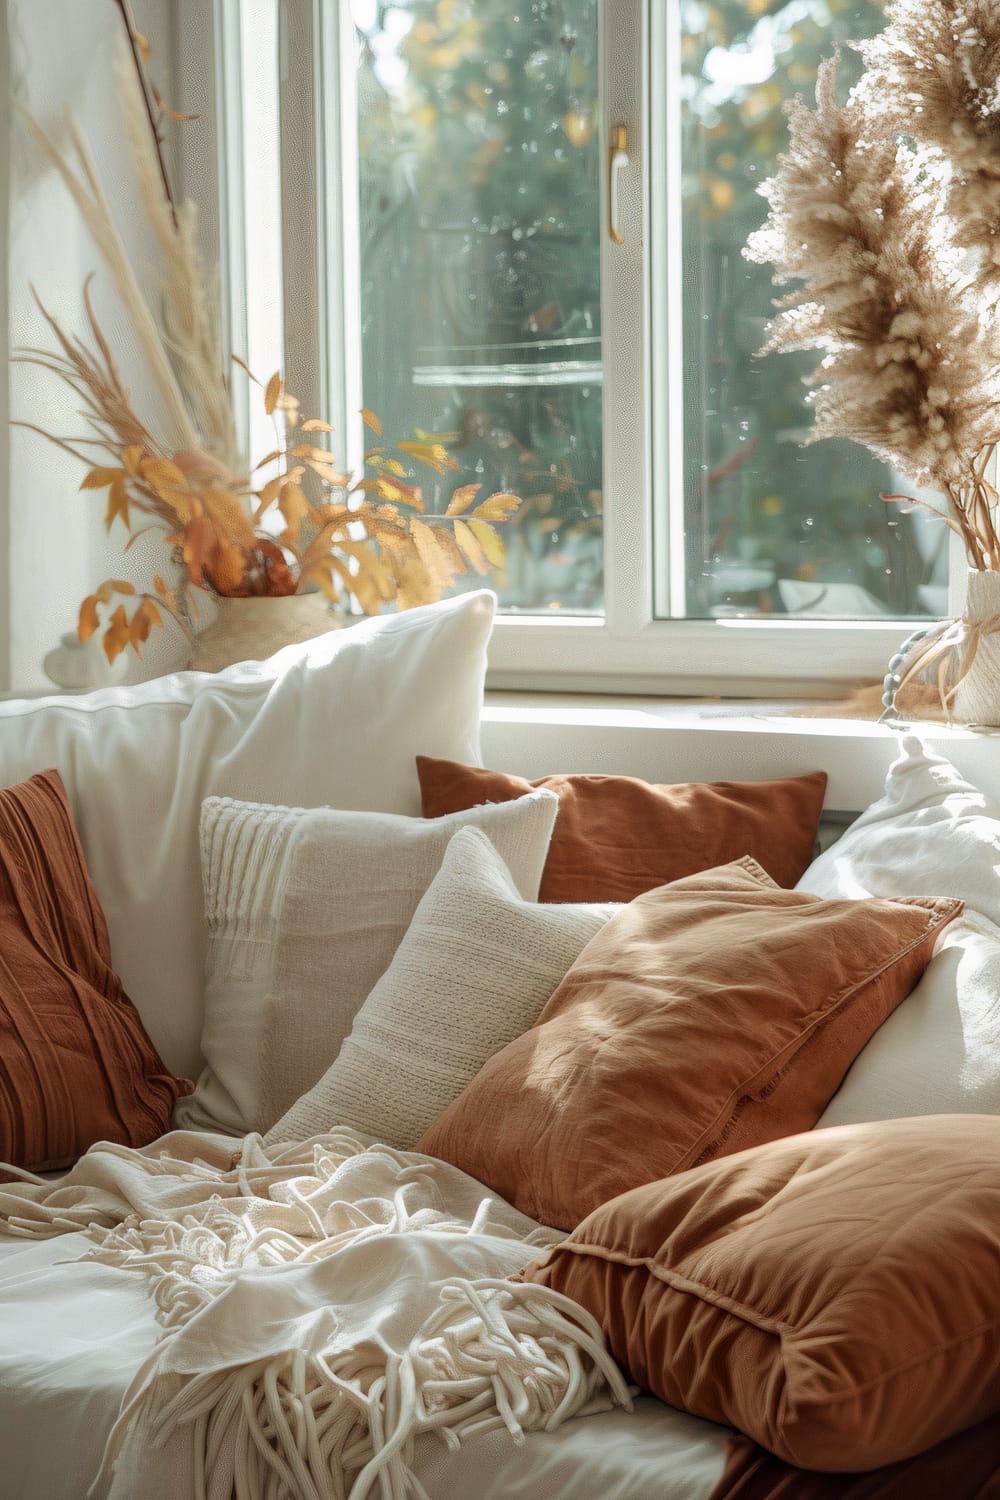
x=101 y=389
x=147 y=99
x=961 y=507
x=86 y=191
x=59 y=442
x=191 y=330
x=973 y=509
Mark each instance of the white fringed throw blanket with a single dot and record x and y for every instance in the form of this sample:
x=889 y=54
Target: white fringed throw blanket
x=322 y=1304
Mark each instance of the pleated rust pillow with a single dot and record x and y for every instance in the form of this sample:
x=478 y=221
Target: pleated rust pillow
x=76 y=1065
x=708 y=1016
x=835 y=1296
x=616 y=837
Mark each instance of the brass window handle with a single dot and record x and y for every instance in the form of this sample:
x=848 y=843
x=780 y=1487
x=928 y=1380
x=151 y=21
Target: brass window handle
x=617 y=161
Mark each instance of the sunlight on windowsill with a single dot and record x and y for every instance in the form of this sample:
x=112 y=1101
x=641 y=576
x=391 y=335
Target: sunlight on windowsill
x=776 y=716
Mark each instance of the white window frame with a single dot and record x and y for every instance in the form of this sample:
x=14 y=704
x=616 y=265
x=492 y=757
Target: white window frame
x=627 y=650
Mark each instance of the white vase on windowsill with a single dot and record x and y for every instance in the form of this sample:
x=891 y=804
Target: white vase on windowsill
x=977 y=698
x=253 y=629
x=81 y=666
x=959 y=657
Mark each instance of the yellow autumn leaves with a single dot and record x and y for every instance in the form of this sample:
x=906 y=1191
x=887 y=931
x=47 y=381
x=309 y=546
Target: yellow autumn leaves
x=367 y=538
x=122 y=630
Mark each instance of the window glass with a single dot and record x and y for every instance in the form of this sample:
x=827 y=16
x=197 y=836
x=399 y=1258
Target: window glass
x=770 y=526
x=479 y=162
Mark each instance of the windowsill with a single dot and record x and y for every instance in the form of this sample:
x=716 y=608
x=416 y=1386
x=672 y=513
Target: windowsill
x=684 y=739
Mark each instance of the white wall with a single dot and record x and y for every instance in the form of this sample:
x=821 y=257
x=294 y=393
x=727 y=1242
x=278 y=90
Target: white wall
x=4 y=430
x=56 y=548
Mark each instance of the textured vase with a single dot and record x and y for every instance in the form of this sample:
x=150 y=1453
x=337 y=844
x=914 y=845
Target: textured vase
x=252 y=629
x=977 y=700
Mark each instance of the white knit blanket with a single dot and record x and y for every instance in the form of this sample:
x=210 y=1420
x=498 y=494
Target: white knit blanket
x=323 y=1304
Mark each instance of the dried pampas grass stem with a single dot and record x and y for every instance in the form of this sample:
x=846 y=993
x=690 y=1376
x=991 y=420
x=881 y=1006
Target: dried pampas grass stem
x=86 y=191
x=885 y=211
x=191 y=330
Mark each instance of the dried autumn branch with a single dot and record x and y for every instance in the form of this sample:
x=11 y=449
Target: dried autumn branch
x=366 y=537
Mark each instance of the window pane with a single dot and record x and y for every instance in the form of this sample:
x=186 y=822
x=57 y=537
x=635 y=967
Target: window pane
x=480 y=265
x=770 y=526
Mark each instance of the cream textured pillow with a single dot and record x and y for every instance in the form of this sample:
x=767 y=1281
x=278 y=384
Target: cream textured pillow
x=336 y=721
x=471 y=974
x=305 y=909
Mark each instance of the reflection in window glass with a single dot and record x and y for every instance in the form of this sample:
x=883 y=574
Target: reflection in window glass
x=771 y=527
x=480 y=264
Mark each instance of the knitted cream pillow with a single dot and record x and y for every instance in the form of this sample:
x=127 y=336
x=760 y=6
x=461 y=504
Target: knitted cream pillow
x=305 y=908
x=471 y=974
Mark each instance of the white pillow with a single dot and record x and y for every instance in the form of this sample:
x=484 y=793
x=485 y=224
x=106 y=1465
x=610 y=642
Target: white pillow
x=939 y=1052
x=932 y=834
x=471 y=974
x=305 y=911
x=337 y=720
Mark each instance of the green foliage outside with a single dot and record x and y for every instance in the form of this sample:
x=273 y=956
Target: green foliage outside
x=481 y=155
x=756 y=499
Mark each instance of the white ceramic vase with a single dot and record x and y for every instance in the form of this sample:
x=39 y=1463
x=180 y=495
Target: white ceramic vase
x=80 y=666
x=252 y=629
x=977 y=700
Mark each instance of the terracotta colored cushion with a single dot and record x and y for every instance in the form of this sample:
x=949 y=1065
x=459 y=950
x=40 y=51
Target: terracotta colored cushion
x=835 y=1296
x=965 y=1466
x=616 y=837
x=76 y=1065
x=708 y=1016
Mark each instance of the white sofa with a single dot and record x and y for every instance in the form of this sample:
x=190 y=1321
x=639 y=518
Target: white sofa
x=339 y=722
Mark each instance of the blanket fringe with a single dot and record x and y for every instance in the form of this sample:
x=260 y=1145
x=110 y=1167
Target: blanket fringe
x=320 y=1401
x=494 y=1354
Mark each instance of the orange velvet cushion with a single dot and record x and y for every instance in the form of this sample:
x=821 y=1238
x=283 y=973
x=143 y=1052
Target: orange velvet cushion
x=707 y=1016
x=616 y=837
x=76 y=1065
x=836 y=1296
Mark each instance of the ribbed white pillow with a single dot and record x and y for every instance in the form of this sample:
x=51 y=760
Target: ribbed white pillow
x=336 y=721
x=305 y=909
x=471 y=974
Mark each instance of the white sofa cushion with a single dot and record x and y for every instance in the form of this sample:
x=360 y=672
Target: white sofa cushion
x=337 y=720
x=932 y=834
x=939 y=1052
x=305 y=910
x=470 y=975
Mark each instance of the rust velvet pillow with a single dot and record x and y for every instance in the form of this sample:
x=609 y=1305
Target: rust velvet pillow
x=616 y=837
x=76 y=1065
x=835 y=1296
x=707 y=1016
